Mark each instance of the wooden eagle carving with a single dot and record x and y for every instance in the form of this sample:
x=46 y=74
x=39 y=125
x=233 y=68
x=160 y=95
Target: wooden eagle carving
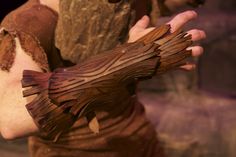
x=67 y=94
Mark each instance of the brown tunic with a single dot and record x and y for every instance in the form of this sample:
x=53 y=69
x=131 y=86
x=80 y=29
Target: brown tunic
x=35 y=24
x=124 y=129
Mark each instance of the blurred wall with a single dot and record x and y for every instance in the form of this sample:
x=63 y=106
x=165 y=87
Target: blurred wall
x=217 y=66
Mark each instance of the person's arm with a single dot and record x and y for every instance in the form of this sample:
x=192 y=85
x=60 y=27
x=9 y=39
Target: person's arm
x=67 y=94
x=15 y=120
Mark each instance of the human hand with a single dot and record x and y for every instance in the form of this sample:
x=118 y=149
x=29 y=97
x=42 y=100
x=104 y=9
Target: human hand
x=141 y=28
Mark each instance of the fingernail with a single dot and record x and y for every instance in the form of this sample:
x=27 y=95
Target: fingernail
x=144 y=17
x=194 y=13
x=203 y=34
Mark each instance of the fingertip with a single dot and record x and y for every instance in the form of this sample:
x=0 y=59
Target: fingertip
x=199 y=51
x=196 y=50
x=192 y=13
x=188 y=67
x=181 y=19
x=197 y=34
x=203 y=34
x=143 y=22
x=145 y=17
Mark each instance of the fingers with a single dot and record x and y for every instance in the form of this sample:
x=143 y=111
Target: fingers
x=139 y=29
x=196 y=51
x=197 y=34
x=179 y=20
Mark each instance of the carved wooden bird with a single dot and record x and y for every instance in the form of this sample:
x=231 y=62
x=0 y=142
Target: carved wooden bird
x=67 y=94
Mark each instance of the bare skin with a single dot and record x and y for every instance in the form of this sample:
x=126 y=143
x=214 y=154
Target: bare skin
x=54 y=4
x=140 y=29
x=15 y=121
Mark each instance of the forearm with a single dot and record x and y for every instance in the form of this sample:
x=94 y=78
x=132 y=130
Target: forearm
x=70 y=93
x=67 y=94
x=15 y=120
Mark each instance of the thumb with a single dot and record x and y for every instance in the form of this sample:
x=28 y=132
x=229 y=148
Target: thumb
x=142 y=23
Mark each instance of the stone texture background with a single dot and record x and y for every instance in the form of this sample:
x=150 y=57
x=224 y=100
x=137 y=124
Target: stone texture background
x=194 y=113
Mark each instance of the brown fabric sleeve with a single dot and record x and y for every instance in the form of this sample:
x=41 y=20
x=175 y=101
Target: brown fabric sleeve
x=33 y=48
x=35 y=24
x=7 y=50
x=29 y=44
x=70 y=93
x=77 y=91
